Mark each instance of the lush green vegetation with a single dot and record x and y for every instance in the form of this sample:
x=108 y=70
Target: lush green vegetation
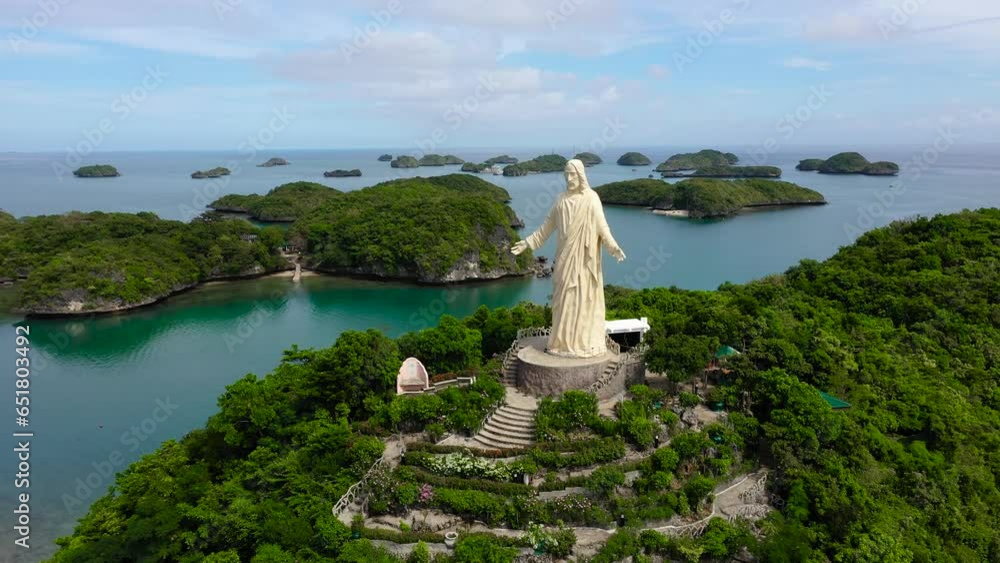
x=285 y=203
x=438 y=160
x=213 y=173
x=726 y=171
x=904 y=324
x=405 y=161
x=810 y=164
x=445 y=228
x=80 y=262
x=385 y=158
x=473 y=167
x=849 y=163
x=634 y=159
x=588 y=158
x=96 y=171
x=539 y=164
x=705 y=197
x=695 y=160
x=342 y=173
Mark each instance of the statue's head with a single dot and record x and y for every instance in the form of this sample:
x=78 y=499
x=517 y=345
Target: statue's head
x=576 y=176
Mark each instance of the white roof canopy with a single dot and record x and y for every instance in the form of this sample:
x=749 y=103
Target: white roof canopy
x=624 y=326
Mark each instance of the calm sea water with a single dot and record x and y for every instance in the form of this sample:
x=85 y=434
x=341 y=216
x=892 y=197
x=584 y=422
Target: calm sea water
x=102 y=387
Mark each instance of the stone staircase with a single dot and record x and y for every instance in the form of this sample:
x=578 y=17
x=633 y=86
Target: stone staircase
x=509 y=368
x=512 y=425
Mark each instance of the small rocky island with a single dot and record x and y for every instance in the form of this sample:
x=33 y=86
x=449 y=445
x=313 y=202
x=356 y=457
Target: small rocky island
x=476 y=168
x=707 y=197
x=707 y=158
x=273 y=162
x=342 y=173
x=588 y=158
x=405 y=161
x=502 y=159
x=385 y=158
x=213 y=173
x=438 y=160
x=727 y=171
x=538 y=165
x=96 y=171
x=634 y=159
x=849 y=163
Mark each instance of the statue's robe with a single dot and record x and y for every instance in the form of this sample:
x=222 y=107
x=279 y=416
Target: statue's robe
x=578 y=324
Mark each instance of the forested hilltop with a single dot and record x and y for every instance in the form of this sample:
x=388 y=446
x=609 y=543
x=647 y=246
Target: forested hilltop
x=102 y=262
x=904 y=325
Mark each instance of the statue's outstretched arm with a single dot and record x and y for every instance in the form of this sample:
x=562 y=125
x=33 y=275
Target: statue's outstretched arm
x=604 y=232
x=538 y=238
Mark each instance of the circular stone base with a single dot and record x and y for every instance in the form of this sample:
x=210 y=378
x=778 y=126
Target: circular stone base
x=542 y=374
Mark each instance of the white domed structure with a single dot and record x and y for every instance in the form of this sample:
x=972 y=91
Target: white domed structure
x=412 y=377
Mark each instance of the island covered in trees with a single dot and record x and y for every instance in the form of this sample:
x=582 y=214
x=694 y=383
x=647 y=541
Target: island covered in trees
x=457 y=228
x=96 y=171
x=902 y=325
x=694 y=160
x=848 y=163
x=216 y=172
x=727 y=171
x=385 y=158
x=276 y=161
x=342 y=173
x=588 y=158
x=538 y=165
x=634 y=159
x=706 y=197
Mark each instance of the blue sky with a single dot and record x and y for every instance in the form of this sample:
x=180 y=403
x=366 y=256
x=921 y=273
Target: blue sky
x=208 y=74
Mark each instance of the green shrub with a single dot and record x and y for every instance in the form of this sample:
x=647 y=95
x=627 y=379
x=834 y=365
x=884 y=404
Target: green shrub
x=635 y=423
x=420 y=554
x=604 y=480
x=556 y=419
x=481 y=548
x=435 y=431
x=689 y=400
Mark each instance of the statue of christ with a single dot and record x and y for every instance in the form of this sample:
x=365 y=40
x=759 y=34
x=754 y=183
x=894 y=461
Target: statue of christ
x=578 y=325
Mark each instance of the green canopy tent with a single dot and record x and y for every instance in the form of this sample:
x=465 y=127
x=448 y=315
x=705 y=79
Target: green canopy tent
x=834 y=402
x=725 y=352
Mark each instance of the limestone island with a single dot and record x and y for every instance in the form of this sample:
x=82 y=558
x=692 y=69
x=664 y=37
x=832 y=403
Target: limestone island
x=342 y=173
x=96 y=171
x=385 y=158
x=706 y=158
x=538 y=165
x=634 y=159
x=476 y=168
x=502 y=159
x=459 y=228
x=213 y=173
x=438 y=160
x=273 y=162
x=588 y=158
x=849 y=163
x=727 y=171
x=707 y=197
x=405 y=161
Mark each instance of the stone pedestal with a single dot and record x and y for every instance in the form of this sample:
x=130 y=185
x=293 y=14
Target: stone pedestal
x=541 y=374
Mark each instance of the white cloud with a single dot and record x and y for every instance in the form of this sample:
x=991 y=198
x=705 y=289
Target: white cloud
x=804 y=62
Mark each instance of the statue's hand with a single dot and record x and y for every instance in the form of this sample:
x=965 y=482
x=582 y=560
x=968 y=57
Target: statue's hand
x=519 y=247
x=619 y=254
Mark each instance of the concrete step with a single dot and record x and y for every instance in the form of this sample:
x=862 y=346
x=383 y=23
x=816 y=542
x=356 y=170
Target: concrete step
x=516 y=413
x=522 y=411
x=509 y=421
x=510 y=431
x=485 y=436
x=507 y=434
